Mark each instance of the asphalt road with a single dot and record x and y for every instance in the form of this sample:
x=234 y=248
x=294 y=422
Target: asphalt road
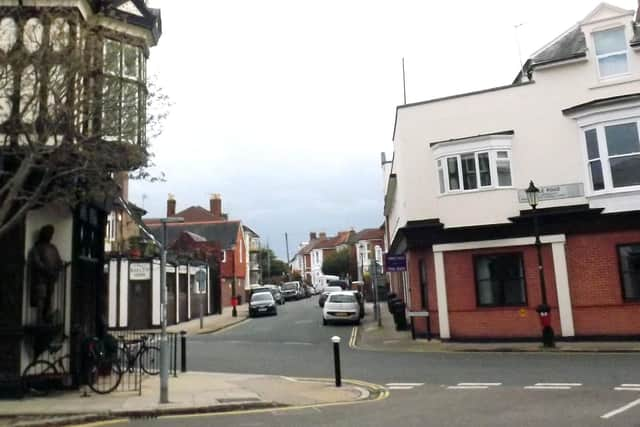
x=453 y=389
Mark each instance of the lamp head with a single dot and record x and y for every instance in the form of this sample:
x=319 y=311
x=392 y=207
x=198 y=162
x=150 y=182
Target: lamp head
x=532 y=194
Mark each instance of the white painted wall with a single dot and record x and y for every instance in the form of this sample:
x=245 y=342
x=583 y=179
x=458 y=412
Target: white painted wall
x=155 y=293
x=546 y=147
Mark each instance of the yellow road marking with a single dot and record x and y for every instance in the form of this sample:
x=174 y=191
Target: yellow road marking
x=103 y=423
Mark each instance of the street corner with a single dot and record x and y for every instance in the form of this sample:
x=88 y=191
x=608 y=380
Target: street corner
x=325 y=392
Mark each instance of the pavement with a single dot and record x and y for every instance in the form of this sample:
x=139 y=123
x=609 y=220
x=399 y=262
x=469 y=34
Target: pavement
x=192 y=392
x=385 y=338
x=212 y=323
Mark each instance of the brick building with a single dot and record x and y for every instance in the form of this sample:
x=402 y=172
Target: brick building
x=213 y=226
x=456 y=204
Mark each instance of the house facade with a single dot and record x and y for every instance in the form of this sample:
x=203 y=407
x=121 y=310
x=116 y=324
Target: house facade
x=456 y=207
x=213 y=226
x=50 y=100
x=368 y=245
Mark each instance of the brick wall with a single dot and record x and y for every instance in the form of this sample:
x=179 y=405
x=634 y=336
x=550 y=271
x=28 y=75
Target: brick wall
x=467 y=320
x=413 y=267
x=596 y=287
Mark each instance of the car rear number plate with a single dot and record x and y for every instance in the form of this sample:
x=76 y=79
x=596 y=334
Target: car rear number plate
x=262 y=309
x=342 y=314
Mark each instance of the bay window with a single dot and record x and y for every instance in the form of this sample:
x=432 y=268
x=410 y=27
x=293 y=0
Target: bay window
x=124 y=92
x=474 y=171
x=613 y=155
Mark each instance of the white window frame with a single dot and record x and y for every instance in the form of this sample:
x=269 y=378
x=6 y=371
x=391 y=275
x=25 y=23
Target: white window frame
x=490 y=144
x=610 y=54
x=603 y=152
x=493 y=171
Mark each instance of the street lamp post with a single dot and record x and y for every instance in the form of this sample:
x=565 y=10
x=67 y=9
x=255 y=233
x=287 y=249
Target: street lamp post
x=234 y=301
x=544 y=311
x=164 y=344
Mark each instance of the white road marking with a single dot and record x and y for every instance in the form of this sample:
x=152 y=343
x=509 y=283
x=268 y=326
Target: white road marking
x=296 y=343
x=405 y=384
x=300 y=322
x=467 y=387
x=400 y=387
x=473 y=386
x=547 y=387
x=626 y=388
x=483 y=384
x=560 y=384
x=552 y=386
x=629 y=385
x=620 y=410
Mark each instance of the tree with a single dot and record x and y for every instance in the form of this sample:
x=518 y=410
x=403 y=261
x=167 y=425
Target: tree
x=337 y=263
x=75 y=109
x=270 y=265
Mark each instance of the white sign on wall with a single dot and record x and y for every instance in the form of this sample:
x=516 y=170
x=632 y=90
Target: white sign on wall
x=170 y=269
x=139 y=271
x=555 y=192
x=182 y=269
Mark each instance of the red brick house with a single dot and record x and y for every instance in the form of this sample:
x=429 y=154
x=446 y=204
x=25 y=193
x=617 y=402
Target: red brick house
x=218 y=232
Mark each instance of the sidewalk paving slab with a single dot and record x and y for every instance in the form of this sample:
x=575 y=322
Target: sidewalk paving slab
x=194 y=392
x=386 y=338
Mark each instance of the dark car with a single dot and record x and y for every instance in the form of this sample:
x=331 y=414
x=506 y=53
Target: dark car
x=277 y=295
x=262 y=303
x=290 y=290
x=326 y=292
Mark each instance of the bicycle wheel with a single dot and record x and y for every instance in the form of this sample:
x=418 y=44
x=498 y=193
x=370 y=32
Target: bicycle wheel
x=103 y=376
x=38 y=377
x=150 y=359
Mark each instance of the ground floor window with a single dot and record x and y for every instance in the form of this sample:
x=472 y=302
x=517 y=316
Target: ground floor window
x=500 y=280
x=629 y=256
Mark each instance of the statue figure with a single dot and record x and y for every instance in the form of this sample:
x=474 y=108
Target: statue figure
x=45 y=266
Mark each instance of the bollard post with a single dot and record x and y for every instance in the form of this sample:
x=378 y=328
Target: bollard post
x=175 y=355
x=336 y=359
x=183 y=351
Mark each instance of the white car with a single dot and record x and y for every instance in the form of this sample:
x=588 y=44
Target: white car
x=341 y=307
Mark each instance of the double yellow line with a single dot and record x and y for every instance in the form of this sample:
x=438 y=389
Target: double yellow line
x=354 y=337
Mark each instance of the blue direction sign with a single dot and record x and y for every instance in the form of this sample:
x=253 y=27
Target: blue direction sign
x=396 y=263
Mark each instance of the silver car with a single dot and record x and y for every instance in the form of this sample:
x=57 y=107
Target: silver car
x=341 y=307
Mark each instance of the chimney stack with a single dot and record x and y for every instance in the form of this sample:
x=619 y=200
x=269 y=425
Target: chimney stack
x=312 y=236
x=323 y=235
x=171 y=205
x=215 y=206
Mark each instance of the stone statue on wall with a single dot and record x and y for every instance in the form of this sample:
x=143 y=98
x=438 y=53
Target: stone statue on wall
x=44 y=265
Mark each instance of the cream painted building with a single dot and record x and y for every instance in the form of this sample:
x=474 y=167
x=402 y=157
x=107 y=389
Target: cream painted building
x=455 y=203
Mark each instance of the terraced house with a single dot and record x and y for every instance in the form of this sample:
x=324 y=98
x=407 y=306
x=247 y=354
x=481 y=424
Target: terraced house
x=456 y=205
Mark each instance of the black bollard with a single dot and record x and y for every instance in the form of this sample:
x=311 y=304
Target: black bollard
x=183 y=350
x=336 y=359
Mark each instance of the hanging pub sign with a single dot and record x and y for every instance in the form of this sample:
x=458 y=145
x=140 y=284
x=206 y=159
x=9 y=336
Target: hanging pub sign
x=396 y=263
x=139 y=271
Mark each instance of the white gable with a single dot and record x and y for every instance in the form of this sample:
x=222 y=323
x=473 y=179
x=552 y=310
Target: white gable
x=130 y=8
x=605 y=11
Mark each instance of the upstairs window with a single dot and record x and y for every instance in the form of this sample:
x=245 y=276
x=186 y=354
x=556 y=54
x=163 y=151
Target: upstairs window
x=613 y=156
x=611 y=52
x=474 y=171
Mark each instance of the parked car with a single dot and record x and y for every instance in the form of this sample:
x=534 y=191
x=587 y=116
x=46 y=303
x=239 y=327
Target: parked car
x=262 y=303
x=277 y=295
x=341 y=306
x=360 y=299
x=308 y=291
x=325 y=294
x=290 y=290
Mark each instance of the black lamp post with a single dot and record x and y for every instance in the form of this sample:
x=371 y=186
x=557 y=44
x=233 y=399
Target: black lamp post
x=234 y=298
x=543 y=309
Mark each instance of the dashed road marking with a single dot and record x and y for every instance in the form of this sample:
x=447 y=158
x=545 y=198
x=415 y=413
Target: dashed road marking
x=552 y=386
x=627 y=387
x=403 y=386
x=473 y=386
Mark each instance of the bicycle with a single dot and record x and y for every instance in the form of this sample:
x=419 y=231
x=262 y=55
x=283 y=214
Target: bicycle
x=136 y=350
x=41 y=375
x=102 y=370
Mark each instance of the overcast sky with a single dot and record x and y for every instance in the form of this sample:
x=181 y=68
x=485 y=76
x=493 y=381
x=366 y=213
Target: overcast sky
x=283 y=107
